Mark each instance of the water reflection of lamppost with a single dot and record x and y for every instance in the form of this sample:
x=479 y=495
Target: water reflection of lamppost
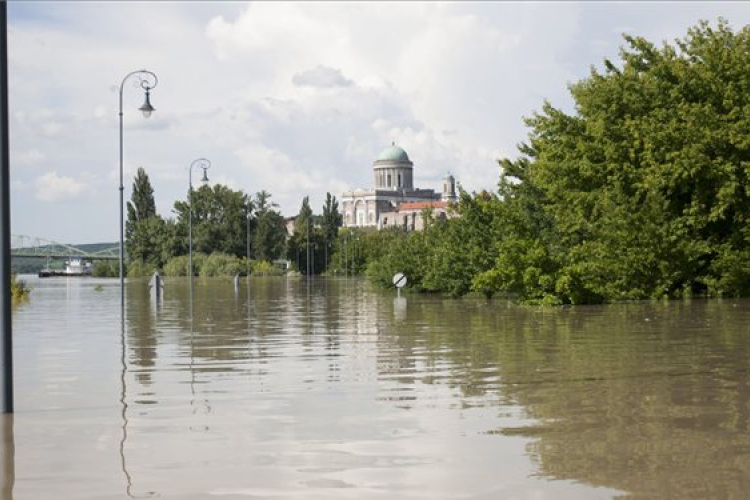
x=147 y=81
x=124 y=414
x=205 y=165
x=8 y=455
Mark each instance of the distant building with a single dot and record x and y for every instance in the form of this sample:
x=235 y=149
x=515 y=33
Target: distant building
x=394 y=201
x=290 y=223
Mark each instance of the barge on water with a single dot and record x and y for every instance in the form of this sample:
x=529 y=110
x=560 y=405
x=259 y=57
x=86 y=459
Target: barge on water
x=75 y=266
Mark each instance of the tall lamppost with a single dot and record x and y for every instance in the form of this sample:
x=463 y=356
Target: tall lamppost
x=346 y=255
x=247 y=230
x=307 y=249
x=147 y=81
x=205 y=165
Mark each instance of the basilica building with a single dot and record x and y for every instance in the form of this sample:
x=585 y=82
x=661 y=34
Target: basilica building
x=394 y=201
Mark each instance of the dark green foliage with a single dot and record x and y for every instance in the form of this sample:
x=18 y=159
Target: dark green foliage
x=402 y=252
x=223 y=223
x=330 y=221
x=140 y=269
x=218 y=220
x=146 y=233
x=307 y=244
x=106 y=269
x=269 y=236
x=642 y=193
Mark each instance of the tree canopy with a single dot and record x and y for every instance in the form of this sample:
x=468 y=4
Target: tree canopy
x=642 y=192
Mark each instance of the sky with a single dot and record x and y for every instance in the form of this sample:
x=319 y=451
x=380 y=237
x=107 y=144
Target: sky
x=297 y=99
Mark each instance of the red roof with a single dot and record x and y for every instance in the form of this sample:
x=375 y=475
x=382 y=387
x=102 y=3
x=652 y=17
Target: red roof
x=419 y=205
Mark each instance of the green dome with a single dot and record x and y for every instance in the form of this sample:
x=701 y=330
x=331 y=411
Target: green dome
x=393 y=153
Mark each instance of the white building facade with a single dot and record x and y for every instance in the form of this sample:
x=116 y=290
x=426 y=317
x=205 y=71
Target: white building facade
x=393 y=174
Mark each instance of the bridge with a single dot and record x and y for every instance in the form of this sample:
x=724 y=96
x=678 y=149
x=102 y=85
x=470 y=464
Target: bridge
x=32 y=246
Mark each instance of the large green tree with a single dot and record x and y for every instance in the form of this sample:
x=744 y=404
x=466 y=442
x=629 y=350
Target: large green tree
x=145 y=231
x=332 y=219
x=330 y=222
x=218 y=220
x=643 y=192
x=306 y=245
x=269 y=237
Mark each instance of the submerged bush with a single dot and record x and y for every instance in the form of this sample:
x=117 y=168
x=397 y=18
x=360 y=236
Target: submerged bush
x=19 y=290
x=219 y=264
x=139 y=269
x=106 y=269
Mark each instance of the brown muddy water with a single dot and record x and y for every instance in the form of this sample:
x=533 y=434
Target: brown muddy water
x=284 y=389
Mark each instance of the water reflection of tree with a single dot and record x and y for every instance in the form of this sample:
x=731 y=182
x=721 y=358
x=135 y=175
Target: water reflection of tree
x=652 y=399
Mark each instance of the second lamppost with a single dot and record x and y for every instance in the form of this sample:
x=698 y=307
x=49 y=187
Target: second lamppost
x=205 y=165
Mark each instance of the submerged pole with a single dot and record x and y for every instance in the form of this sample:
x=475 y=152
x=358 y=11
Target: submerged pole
x=6 y=343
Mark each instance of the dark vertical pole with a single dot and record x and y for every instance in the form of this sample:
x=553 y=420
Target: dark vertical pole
x=307 y=249
x=247 y=225
x=6 y=346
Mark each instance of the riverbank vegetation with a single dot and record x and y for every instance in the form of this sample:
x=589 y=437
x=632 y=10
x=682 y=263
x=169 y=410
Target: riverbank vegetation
x=643 y=192
x=19 y=290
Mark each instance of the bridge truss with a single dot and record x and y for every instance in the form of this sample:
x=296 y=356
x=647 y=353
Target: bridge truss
x=33 y=246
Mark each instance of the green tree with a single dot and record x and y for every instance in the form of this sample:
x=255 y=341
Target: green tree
x=330 y=223
x=269 y=237
x=644 y=191
x=306 y=244
x=218 y=220
x=142 y=204
x=144 y=228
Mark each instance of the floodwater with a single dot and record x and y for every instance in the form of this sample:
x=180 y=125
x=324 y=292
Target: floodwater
x=284 y=389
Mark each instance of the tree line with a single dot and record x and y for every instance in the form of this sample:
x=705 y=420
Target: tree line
x=642 y=192
x=232 y=232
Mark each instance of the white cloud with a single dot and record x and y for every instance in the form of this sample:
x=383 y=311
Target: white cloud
x=322 y=77
x=52 y=187
x=296 y=98
x=28 y=157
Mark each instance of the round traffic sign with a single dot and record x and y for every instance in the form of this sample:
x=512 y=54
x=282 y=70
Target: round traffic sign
x=399 y=280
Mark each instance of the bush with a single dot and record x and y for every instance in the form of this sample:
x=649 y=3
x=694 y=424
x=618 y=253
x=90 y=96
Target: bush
x=265 y=268
x=106 y=269
x=219 y=264
x=139 y=269
x=177 y=266
x=19 y=290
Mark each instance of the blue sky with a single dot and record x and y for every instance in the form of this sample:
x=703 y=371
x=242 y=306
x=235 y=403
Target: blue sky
x=294 y=98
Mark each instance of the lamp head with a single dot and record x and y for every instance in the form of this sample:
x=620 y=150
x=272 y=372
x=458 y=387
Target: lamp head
x=147 y=108
x=205 y=176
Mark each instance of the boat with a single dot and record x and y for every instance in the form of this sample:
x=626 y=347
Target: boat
x=75 y=266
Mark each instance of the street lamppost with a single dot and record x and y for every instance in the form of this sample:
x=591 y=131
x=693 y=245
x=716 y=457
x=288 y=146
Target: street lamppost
x=205 y=165
x=147 y=81
x=307 y=249
x=346 y=255
x=247 y=224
